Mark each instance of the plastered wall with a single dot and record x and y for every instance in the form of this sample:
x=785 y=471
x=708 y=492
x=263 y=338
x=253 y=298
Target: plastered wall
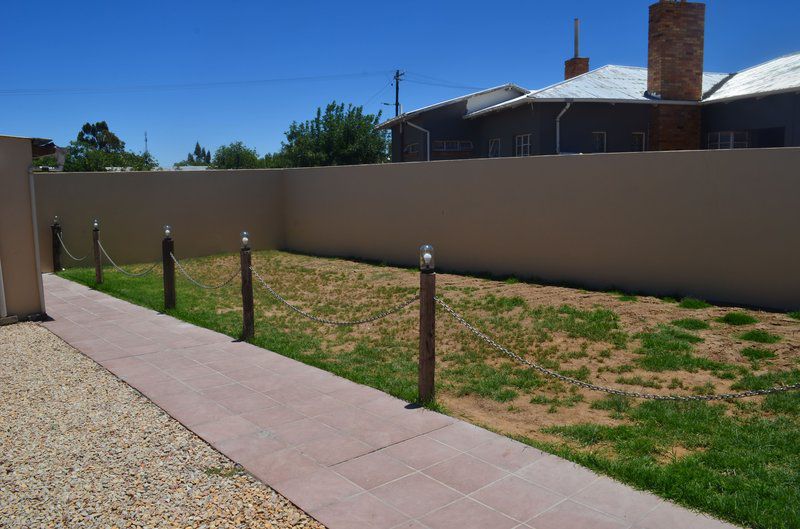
x=717 y=225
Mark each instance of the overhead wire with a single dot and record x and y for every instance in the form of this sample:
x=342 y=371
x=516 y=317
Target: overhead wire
x=183 y=86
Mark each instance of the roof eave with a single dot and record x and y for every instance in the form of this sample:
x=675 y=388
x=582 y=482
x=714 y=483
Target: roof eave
x=533 y=100
x=407 y=115
x=752 y=95
x=613 y=101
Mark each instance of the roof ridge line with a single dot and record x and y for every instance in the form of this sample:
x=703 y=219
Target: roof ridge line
x=767 y=62
x=532 y=92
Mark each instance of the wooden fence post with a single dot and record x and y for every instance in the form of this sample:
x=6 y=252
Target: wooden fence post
x=98 y=259
x=427 y=324
x=56 y=231
x=167 y=251
x=248 y=318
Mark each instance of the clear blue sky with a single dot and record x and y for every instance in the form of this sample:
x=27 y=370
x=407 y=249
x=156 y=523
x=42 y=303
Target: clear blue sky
x=56 y=45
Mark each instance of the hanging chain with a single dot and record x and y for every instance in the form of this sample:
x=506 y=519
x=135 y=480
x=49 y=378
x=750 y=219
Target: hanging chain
x=129 y=274
x=199 y=284
x=586 y=385
x=58 y=233
x=317 y=319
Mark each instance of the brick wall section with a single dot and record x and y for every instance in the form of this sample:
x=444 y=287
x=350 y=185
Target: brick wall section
x=675 y=54
x=675 y=128
x=575 y=66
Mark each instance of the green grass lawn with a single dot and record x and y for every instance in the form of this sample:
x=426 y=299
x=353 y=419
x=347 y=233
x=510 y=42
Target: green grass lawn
x=736 y=460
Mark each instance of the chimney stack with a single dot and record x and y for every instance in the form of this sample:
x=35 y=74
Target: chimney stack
x=675 y=73
x=577 y=65
x=675 y=51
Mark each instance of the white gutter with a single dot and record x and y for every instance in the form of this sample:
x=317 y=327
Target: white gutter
x=514 y=103
x=428 y=134
x=727 y=99
x=558 y=127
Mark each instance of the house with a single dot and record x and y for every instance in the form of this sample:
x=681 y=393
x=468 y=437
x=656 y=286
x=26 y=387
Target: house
x=671 y=105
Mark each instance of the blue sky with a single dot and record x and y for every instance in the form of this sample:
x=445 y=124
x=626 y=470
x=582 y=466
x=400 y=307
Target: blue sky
x=56 y=46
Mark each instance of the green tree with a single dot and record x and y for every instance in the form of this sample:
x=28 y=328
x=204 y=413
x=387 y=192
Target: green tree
x=97 y=148
x=236 y=156
x=200 y=156
x=339 y=136
x=97 y=136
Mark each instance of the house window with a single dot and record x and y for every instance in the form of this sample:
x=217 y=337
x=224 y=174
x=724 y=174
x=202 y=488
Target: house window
x=494 y=147
x=728 y=140
x=638 y=142
x=522 y=145
x=411 y=148
x=598 y=142
x=451 y=146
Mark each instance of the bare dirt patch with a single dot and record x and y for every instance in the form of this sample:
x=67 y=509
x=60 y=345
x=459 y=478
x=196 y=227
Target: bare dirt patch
x=360 y=288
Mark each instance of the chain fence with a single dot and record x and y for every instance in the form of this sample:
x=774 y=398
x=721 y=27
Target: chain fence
x=198 y=283
x=338 y=323
x=594 y=387
x=123 y=271
x=550 y=373
x=58 y=233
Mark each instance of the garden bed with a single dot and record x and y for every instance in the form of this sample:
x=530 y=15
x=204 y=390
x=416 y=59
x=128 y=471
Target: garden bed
x=734 y=459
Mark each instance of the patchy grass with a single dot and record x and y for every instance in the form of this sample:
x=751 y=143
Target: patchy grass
x=624 y=296
x=555 y=403
x=737 y=318
x=693 y=303
x=668 y=349
x=759 y=336
x=795 y=314
x=639 y=381
x=614 y=403
x=757 y=353
x=587 y=335
x=691 y=324
x=747 y=468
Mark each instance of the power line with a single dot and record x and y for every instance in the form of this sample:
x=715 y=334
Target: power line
x=379 y=92
x=445 y=85
x=184 y=86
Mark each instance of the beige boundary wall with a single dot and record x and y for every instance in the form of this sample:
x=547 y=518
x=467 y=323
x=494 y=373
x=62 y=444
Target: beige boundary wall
x=20 y=288
x=206 y=209
x=722 y=226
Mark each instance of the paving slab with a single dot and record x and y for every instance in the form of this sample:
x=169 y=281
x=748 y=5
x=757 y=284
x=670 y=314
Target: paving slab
x=349 y=455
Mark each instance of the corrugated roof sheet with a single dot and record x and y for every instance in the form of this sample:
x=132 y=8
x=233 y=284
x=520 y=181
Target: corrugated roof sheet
x=628 y=84
x=613 y=83
x=624 y=84
x=508 y=87
x=778 y=75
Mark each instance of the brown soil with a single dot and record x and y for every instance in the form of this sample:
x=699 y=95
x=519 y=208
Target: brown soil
x=346 y=290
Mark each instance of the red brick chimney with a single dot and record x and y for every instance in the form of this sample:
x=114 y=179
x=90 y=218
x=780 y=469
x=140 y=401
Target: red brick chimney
x=675 y=53
x=577 y=65
x=675 y=73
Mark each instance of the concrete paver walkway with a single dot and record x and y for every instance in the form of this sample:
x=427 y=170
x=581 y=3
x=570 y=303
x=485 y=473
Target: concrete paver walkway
x=348 y=455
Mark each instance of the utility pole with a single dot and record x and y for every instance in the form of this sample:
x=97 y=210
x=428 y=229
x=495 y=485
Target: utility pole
x=145 y=141
x=397 y=76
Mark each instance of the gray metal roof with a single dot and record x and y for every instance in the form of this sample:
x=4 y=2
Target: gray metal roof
x=775 y=76
x=612 y=83
x=628 y=84
x=511 y=89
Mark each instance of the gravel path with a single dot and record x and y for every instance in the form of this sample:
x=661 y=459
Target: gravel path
x=79 y=448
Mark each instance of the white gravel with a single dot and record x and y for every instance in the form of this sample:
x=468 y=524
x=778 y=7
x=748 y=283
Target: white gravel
x=79 y=448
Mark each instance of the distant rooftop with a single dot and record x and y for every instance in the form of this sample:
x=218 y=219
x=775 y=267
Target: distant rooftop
x=628 y=84
x=475 y=101
x=775 y=76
